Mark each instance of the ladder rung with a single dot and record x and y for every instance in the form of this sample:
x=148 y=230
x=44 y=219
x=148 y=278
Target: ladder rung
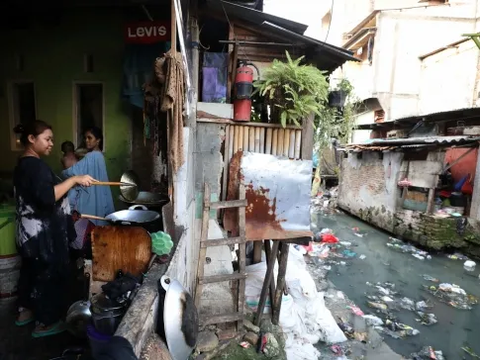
x=219 y=242
x=228 y=204
x=221 y=278
x=221 y=319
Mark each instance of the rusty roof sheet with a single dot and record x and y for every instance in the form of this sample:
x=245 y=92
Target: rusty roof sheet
x=278 y=196
x=414 y=142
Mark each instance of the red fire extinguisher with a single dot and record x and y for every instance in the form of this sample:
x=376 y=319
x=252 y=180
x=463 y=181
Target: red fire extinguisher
x=242 y=104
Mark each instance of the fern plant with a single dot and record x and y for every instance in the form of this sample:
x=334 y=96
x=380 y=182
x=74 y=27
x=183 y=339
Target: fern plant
x=293 y=90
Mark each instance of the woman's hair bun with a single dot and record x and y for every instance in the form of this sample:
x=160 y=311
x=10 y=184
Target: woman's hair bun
x=19 y=129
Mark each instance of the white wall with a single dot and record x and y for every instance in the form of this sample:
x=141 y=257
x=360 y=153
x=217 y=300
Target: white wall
x=404 y=85
x=446 y=84
x=360 y=136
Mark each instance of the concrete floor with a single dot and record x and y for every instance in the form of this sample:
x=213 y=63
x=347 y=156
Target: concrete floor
x=16 y=343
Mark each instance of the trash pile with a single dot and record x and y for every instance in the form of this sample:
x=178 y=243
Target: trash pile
x=330 y=249
x=452 y=295
x=427 y=353
x=304 y=318
x=400 y=246
x=325 y=201
x=386 y=301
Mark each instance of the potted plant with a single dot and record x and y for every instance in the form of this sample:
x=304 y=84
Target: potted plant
x=293 y=90
x=337 y=97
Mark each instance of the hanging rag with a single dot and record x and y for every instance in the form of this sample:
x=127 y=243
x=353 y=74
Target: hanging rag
x=169 y=72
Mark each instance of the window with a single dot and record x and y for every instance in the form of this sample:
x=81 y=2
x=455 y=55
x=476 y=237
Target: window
x=88 y=109
x=22 y=108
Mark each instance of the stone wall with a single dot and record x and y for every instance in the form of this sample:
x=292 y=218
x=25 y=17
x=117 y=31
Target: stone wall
x=438 y=234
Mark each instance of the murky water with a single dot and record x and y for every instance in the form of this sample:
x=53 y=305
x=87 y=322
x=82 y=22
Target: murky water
x=455 y=328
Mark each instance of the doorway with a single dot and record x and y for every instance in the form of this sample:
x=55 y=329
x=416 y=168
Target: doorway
x=89 y=110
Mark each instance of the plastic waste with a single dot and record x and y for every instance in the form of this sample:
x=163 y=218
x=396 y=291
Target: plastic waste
x=349 y=253
x=420 y=257
x=426 y=319
x=407 y=304
x=373 y=320
x=452 y=295
x=457 y=256
x=362 y=257
x=430 y=278
x=329 y=238
x=469 y=265
x=377 y=305
x=427 y=353
x=162 y=243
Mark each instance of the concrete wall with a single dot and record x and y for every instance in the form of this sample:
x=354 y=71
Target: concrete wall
x=368 y=187
x=54 y=59
x=359 y=136
x=397 y=77
x=447 y=79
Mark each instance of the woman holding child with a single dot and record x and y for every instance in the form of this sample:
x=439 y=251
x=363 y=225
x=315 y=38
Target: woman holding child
x=96 y=200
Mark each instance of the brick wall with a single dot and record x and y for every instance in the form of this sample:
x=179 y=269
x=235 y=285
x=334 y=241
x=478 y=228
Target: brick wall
x=366 y=185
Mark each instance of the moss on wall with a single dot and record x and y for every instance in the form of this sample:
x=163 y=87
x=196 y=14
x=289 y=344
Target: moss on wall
x=54 y=60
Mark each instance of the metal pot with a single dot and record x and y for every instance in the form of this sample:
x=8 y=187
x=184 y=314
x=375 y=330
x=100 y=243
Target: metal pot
x=178 y=320
x=79 y=315
x=106 y=314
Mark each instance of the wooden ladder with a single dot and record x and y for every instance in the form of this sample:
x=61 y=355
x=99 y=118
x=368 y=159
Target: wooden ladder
x=240 y=275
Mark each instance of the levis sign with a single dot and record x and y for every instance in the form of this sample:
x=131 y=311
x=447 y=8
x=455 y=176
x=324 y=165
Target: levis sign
x=147 y=32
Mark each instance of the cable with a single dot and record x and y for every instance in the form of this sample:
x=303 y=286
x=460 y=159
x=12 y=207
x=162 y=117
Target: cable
x=332 y=6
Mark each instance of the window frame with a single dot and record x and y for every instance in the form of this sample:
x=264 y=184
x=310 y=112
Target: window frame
x=75 y=84
x=12 y=110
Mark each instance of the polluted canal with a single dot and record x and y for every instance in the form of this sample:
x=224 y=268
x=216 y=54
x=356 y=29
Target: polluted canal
x=417 y=299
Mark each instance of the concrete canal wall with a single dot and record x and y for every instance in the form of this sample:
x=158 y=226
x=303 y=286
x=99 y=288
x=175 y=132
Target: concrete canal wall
x=368 y=189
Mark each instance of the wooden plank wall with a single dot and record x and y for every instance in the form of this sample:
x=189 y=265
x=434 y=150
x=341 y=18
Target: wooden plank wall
x=260 y=138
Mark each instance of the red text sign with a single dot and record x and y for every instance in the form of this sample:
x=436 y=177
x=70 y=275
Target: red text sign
x=147 y=32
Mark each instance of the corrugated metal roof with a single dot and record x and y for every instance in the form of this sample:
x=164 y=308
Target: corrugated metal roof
x=414 y=142
x=254 y=16
x=328 y=57
x=450 y=115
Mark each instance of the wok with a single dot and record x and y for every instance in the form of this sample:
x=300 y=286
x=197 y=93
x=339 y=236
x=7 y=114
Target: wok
x=128 y=185
x=135 y=215
x=178 y=321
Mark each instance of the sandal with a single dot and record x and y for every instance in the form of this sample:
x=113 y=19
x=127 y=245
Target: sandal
x=54 y=329
x=25 y=317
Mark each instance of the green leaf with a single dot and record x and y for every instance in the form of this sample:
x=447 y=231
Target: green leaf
x=283 y=119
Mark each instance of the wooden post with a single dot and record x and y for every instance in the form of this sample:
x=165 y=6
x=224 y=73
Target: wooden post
x=257 y=252
x=266 y=283
x=431 y=201
x=282 y=270
x=307 y=138
x=268 y=250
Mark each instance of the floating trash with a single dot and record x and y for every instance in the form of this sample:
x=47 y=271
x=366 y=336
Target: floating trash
x=469 y=265
x=427 y=353
x=452 y=295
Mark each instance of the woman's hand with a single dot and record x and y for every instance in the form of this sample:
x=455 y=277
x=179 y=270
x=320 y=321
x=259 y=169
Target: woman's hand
x=84 y=180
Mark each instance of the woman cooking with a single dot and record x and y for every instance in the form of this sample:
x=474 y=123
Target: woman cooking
x=96 y=200
x=44 y=231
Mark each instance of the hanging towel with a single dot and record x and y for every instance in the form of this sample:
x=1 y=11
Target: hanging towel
x=169 y=72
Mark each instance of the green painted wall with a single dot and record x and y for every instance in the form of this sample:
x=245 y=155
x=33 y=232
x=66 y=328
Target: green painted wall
x=54 y=60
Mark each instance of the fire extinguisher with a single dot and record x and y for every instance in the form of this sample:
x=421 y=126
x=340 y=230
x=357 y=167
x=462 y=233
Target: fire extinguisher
x=242 y=104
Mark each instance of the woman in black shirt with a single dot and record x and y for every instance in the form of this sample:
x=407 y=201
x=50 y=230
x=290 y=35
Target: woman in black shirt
x=44 y=231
